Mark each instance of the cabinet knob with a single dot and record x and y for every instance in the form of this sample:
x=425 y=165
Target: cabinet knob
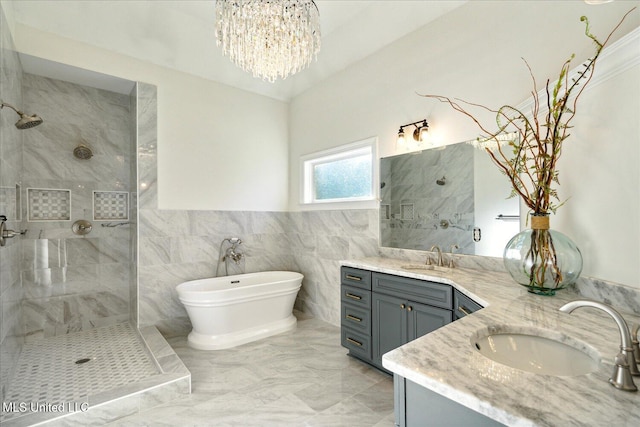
x=409 y=308
x=403 y=306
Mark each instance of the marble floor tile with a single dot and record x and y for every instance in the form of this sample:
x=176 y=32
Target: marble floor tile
x=298 y=378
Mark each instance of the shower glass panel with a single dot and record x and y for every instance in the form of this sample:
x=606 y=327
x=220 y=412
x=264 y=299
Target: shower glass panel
x=74 y=281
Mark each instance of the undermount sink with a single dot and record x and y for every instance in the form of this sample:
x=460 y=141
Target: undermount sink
x=424 y=267
x=538 y=354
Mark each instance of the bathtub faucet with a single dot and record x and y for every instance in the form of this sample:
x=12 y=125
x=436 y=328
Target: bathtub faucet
x=232 y=253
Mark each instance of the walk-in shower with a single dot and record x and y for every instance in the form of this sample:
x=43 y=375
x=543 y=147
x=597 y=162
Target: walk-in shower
x=25 y=121
x=71 y=338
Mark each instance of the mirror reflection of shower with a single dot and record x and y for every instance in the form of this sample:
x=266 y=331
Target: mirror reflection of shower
x=25 y=121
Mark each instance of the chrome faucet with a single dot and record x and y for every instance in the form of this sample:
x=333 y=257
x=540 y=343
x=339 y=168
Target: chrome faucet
x=634 y=342
x=233 y=253
x=625 y=364
x=437 y=248
x=453 y=249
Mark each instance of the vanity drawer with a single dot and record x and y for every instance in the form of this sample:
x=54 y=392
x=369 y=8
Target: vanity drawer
x=357 y=343
x=356 y=318
x=355 y=277
x=463 y=305
x=356 y=296
x=432 y=293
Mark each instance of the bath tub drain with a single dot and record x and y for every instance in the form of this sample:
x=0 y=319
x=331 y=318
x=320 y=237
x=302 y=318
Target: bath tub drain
x=81 y=361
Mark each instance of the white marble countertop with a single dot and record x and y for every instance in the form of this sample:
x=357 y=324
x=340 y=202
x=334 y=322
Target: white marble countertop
x=445 y=361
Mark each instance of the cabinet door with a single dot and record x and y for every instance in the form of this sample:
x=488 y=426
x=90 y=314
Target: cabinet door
x=424 y=318
x=423 y=407
x=389 y=317
x=463 y=305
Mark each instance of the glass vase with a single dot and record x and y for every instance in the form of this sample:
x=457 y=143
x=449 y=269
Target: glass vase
x=541 y=259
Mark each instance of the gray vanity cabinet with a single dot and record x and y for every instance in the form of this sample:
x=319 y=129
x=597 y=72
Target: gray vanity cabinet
x=397 y=320
x=381 y=312
x=355 y=307
x=416 y=406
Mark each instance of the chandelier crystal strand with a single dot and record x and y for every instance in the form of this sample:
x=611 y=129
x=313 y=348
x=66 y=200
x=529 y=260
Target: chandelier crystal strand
x=271 y=39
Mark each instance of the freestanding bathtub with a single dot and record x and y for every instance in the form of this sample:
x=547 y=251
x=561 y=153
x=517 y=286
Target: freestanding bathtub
x=232 y=310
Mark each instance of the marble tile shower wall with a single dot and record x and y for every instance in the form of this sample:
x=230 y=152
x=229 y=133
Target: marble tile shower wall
x=177 y=246
x=75 y=282
x=11 y=334
x=146 y=179
x=133 y=209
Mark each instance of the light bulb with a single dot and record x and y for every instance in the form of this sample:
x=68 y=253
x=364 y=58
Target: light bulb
x=424 y=135
x=401 y=140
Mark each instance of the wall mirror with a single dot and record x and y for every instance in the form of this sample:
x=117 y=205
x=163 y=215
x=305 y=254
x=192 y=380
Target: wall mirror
x=445 y=196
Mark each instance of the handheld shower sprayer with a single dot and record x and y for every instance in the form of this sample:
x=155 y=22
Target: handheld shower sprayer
x=231 y=254
x=25 y=121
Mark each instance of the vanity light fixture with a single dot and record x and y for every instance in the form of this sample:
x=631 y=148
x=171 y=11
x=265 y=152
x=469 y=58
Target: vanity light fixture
x=419 y=133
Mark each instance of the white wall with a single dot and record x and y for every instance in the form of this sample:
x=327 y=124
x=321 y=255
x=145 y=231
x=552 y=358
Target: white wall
x=474 y=53
x=219 y=148
x=600 y=179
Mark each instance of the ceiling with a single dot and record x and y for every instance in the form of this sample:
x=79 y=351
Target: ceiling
x=180 y=34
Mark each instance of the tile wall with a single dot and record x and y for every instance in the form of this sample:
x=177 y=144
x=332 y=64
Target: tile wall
x=74 y=282
x=11 y=336
x=133 y=208
x=176 y=246
x=146 y=171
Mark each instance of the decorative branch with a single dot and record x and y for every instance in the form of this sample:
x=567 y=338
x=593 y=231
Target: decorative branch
x=532 y=161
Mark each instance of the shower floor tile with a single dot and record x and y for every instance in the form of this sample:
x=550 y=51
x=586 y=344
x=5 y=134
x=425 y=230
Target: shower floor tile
x=48 y=370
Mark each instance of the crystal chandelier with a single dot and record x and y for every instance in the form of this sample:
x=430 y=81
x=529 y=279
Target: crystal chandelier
x=269 y=38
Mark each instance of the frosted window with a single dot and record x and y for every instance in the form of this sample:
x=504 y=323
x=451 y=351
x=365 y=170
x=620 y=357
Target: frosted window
x=342 y=174
x=343 y=178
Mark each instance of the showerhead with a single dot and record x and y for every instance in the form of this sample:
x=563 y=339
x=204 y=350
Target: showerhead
x=441 y=181
x=25 y=122
x=82 y=152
